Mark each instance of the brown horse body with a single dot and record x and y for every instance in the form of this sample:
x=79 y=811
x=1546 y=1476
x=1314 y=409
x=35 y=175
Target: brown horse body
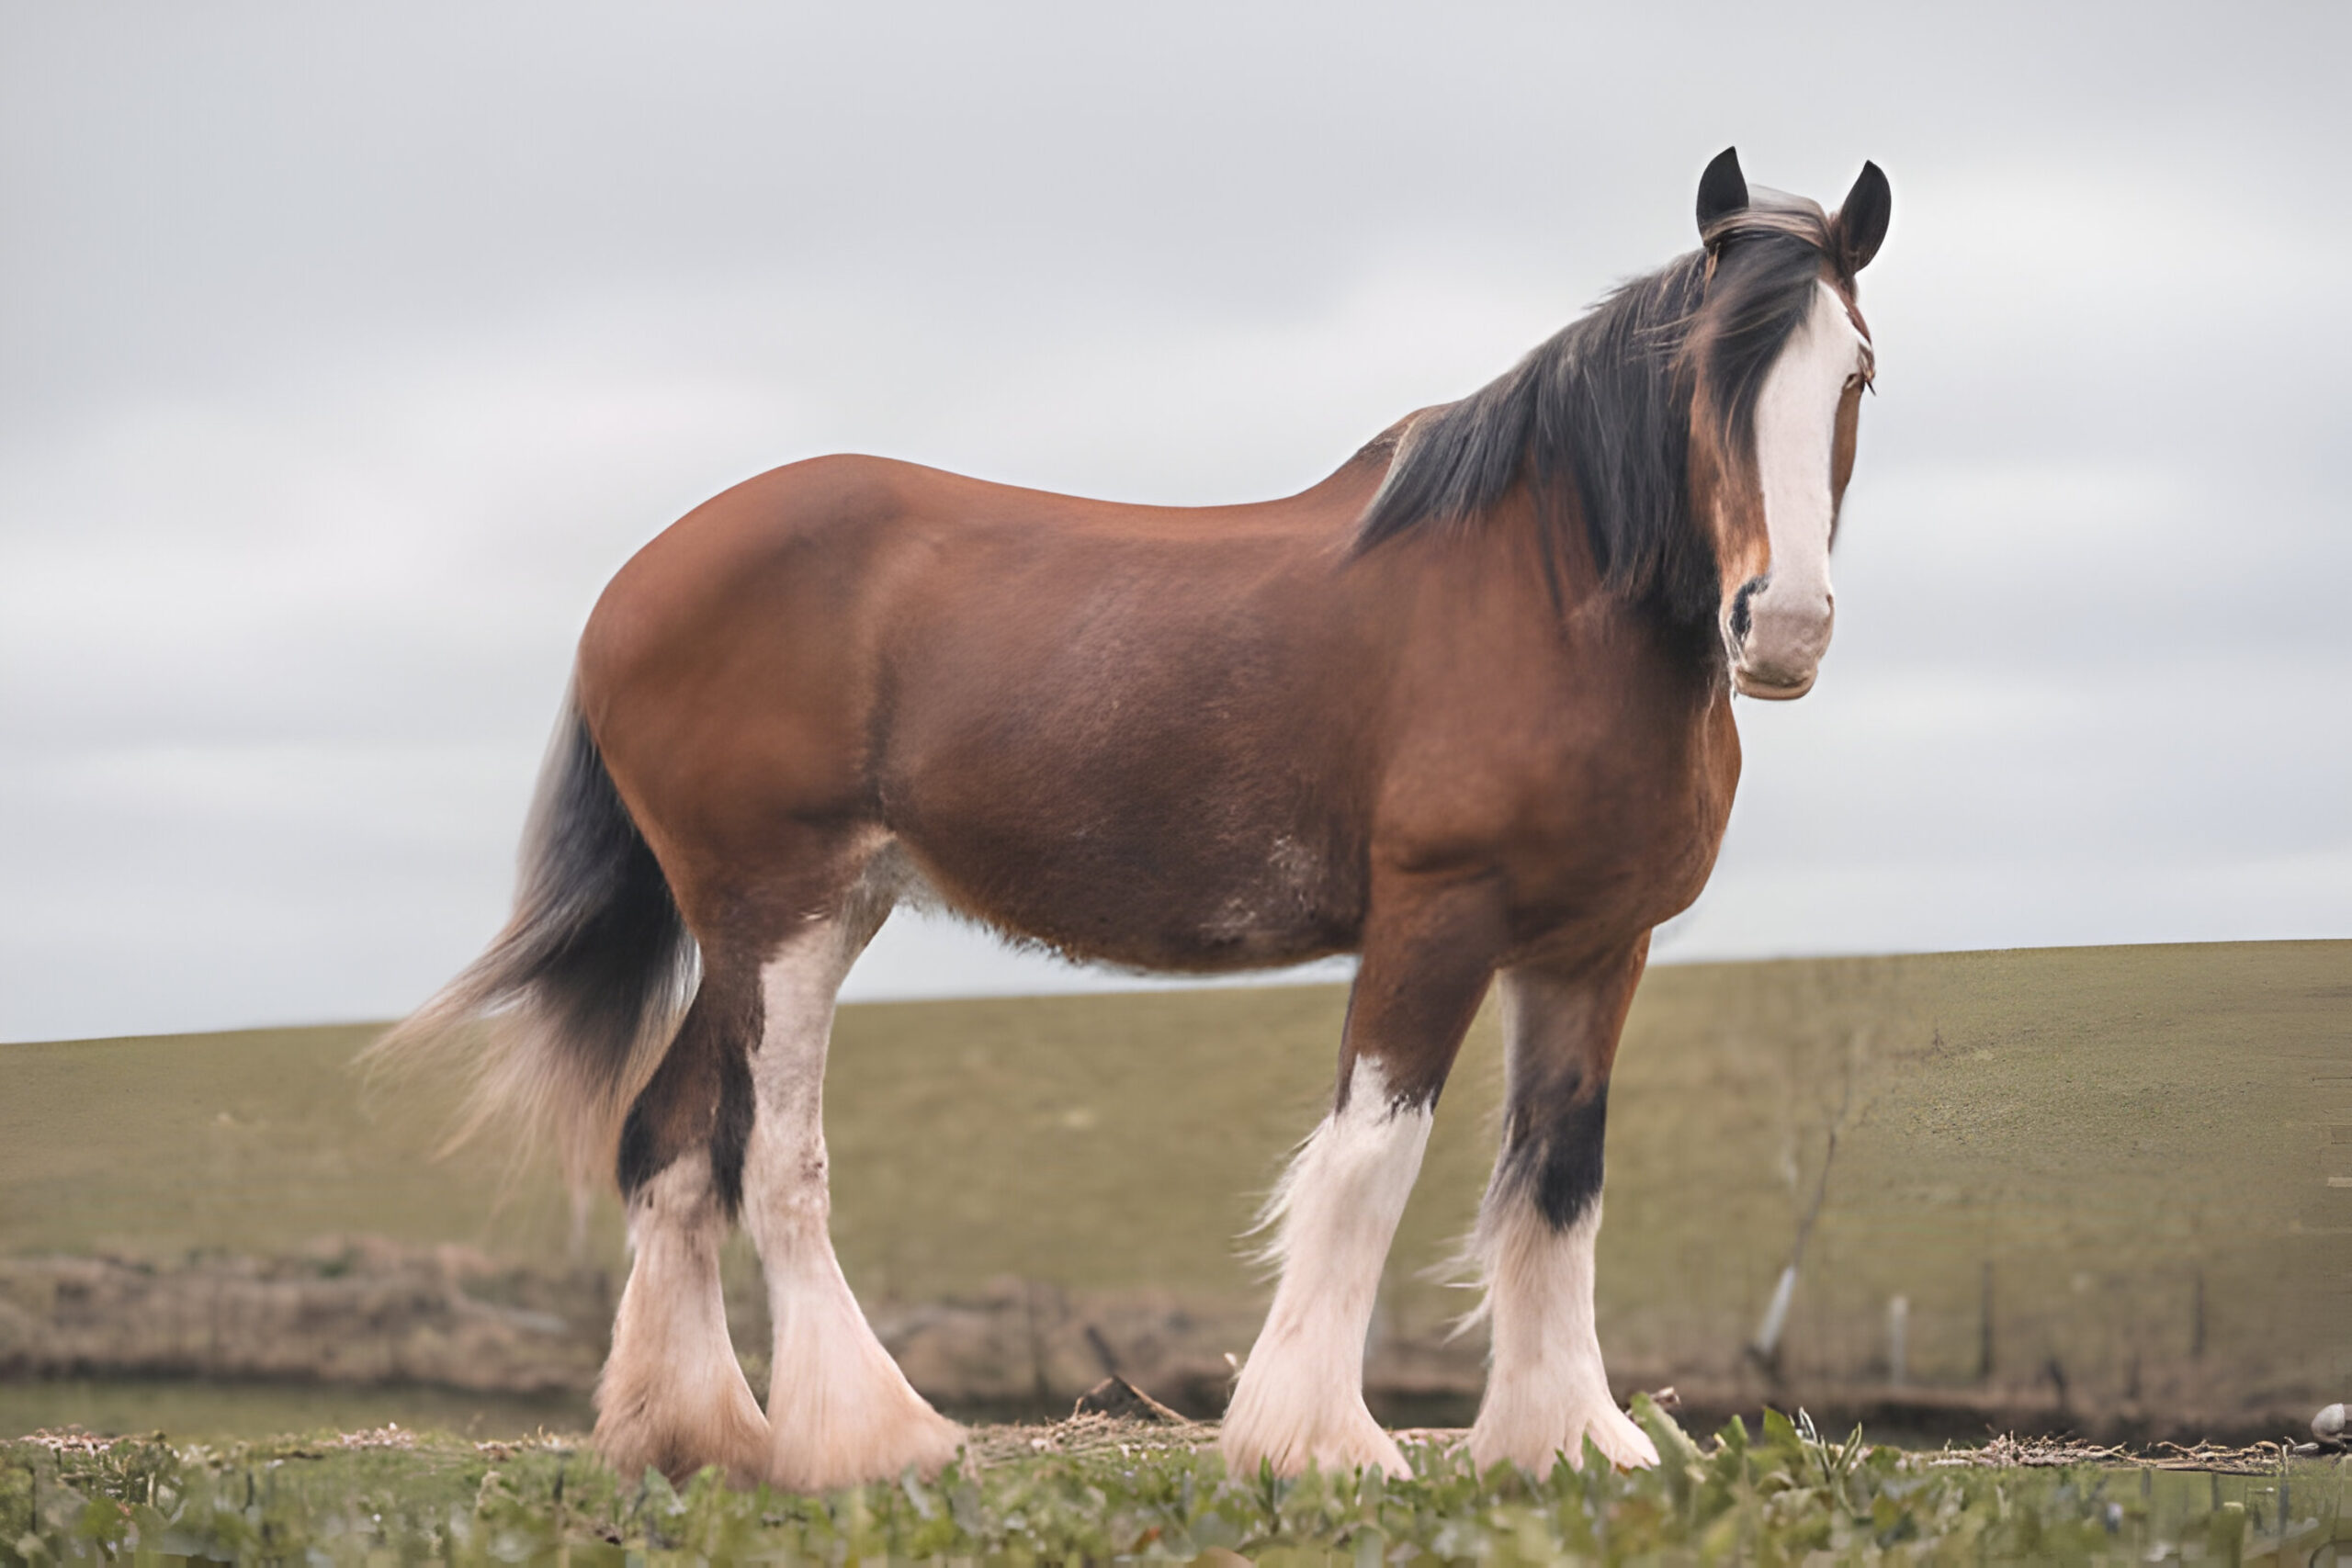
x=1108 y=728
x=1477 y=729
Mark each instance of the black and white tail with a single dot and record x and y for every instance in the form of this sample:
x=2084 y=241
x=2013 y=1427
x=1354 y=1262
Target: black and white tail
x=559 y=1024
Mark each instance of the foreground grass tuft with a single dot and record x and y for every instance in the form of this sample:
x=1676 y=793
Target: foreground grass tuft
x=1778 y=1497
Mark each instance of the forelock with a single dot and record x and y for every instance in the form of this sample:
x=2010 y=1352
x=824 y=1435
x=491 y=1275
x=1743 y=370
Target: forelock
x=1762 y=264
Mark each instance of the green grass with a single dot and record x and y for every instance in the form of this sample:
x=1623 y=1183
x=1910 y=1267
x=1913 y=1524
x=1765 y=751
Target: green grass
x=1778 y=1497
x=2136 y=1142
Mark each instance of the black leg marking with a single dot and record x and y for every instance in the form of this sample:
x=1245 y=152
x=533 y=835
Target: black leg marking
x=640 y=1158
x=1555 y=1151
x=731 y=1136
x=1567 y=1183
x=701 y=1095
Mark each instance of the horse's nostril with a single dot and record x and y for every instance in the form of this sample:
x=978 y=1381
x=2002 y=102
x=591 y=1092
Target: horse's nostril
x=1739 y=618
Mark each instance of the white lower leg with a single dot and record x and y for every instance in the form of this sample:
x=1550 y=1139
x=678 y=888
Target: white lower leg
x=1300 y=1400
x=1546 y=1390
x=840 y=1411
x=672 y=1394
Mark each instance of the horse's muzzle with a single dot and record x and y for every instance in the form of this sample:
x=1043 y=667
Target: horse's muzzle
x=1776 y=638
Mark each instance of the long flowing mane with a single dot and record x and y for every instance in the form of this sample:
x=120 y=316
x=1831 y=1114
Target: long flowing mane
x=1606 y=404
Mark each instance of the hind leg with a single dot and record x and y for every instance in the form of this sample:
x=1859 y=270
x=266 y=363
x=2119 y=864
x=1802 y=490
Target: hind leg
x=840 y=1411
x=672 y=1394
x=1546 y=1390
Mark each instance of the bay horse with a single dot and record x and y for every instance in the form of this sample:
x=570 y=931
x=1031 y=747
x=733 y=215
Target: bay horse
x=1463 y=709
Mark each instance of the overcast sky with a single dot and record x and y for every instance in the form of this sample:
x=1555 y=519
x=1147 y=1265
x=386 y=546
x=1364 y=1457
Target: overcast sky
x=345 y=351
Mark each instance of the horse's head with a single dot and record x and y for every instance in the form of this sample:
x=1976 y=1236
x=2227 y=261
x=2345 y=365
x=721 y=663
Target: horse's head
x=1778 y=357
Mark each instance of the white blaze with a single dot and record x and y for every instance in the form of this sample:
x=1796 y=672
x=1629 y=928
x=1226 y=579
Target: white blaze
x=1796 y=425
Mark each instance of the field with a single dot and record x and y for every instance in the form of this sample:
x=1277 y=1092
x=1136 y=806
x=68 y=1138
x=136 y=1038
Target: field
x=2113 y=1187
x=1101 y=1491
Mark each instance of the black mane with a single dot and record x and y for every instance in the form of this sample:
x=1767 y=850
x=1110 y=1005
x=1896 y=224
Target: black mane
x=1606 y=402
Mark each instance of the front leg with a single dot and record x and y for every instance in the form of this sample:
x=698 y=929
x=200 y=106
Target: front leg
x=1546 y=1391
x=1427 y=961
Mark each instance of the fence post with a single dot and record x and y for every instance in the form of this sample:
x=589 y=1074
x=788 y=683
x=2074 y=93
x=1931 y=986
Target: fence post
x=1985 y=1324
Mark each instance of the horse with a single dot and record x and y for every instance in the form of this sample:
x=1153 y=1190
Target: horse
x=1463 y=709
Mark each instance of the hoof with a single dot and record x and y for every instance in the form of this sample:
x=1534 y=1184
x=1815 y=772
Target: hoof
x=812 y=1453
x=1538 y=1446
x=670 y=1435
x=1336 y=1442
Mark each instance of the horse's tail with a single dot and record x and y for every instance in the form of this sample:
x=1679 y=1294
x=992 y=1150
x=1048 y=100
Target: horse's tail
x=559 y=1023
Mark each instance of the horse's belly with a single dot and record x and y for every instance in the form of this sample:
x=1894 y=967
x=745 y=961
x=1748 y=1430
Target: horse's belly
x=1191 y=908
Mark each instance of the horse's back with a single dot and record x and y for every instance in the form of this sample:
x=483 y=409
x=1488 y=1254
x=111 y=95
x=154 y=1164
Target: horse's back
x=986 y=672
x=822 y=562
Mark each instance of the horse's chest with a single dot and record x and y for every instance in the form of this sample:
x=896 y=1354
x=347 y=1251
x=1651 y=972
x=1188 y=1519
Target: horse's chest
x=1613 y=820
x=1629 y=834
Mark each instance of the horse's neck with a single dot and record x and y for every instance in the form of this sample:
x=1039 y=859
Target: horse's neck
x=1538 y=571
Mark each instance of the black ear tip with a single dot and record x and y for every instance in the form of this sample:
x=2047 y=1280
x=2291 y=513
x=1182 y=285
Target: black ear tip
x=1871 y=191
x=1723 y=190
x=1861 y=222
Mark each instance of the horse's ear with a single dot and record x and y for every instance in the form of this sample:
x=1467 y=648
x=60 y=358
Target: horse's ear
x=1861 y=220
x=1723 y=190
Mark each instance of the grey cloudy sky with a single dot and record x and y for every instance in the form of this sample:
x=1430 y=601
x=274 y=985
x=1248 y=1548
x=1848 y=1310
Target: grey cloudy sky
x=345 y=351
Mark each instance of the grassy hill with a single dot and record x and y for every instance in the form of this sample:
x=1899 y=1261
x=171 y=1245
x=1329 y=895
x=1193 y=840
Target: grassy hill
x=2123 y=1173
